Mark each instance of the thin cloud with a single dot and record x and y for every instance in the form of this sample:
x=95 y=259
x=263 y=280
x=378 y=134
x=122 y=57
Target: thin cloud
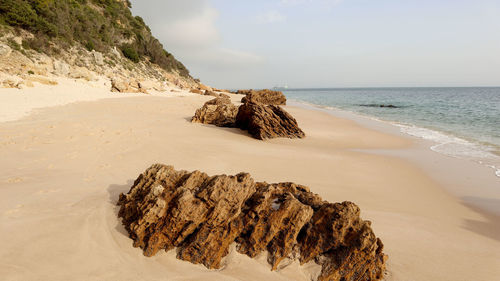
x=188 y=30
x=270 y=17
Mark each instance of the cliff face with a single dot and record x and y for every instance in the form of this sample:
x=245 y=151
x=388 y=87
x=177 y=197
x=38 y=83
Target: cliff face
x=73 y=38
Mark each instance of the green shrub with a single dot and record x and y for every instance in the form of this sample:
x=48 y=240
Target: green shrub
x=13 y=44
x=95 y=24
x=130 y=53
x=89 y=46
x=30 y=72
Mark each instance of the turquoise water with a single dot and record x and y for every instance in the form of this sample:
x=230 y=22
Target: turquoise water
x=463 y=122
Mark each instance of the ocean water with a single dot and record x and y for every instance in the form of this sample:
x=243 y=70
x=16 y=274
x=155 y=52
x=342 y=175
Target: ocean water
x=462 y=122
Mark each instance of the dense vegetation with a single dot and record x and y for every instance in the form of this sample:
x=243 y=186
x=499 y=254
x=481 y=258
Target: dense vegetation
x=95 y=24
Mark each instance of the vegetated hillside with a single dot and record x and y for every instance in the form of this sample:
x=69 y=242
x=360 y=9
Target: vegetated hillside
x=97 y=25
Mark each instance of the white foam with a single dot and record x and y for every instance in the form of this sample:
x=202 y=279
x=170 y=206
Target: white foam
x=445 y=144
x=449 y=145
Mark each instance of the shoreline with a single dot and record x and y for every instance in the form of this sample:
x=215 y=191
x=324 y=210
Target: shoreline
x=486 y=154
x=456 y=175
x=64 y=166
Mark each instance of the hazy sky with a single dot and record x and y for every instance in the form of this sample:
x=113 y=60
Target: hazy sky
x=331 y=43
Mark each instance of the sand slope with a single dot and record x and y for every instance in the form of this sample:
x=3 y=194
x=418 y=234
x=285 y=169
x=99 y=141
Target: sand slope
x=63 y=168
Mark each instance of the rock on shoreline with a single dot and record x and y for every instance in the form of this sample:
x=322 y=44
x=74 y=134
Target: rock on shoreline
x=203 y=215
x=220 y=112
x=266 y=96
x=267 y=121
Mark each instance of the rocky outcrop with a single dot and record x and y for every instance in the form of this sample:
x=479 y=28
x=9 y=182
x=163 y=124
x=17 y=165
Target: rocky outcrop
x=267 y=122
x=5 y=51
x=265 y=97
x=130 y=86
x=197 y=91
x=203 y=215
x=380 y=105
x=219 y=111
x=210 y=93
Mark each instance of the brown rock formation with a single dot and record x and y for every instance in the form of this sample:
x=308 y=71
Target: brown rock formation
x=267 y=121
x=211 y=93
x=196 y=91
x=203 y=215
x=127 y=86
x=219 y=111
x=265 y=97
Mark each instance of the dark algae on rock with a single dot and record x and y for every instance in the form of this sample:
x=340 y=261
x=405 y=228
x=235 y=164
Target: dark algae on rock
x=203 y=215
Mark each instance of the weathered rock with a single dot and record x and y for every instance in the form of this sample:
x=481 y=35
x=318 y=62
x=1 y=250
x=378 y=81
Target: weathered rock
x=265 y=97
x=219 y=111
x=204 y=87
x=41 y=79
x=126 y=86
x=166 y=208
x=4 y=51
x=203 y=215
x=61 y=68
x=210 y=93
x=118 y=85
x=196 y=91
x=221 y=90
x=267 y=121
x=115 y=52
x=98 y=58
x=81 y=73
x=338 y=230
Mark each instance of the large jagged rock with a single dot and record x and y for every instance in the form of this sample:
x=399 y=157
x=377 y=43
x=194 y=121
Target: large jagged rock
x=203 y=215
x=219 y=111
x=267 y=121
x=265 y=97
x=167 y=208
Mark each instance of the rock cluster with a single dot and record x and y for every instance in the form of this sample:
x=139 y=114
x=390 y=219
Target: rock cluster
x=264 y=97
x=203 y=215
x=261 y=120
x=219 y=111
x=267 y=121
x=135 y=86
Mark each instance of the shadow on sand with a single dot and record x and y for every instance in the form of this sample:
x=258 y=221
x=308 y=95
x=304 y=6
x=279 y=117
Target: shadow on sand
x=114 y=192
x=236 y=131
x=491 y=226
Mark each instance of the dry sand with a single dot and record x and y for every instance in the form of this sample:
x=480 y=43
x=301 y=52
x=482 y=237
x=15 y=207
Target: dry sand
x=63 y=168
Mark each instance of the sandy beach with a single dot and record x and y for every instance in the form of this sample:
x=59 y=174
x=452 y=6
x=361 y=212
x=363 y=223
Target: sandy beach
x=64 y=165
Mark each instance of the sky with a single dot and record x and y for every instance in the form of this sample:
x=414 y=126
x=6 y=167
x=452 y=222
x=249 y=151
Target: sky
x=330 y=43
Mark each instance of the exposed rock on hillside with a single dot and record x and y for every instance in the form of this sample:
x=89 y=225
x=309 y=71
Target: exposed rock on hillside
x=85 y=40
x=197 y=91
x=203 y=215
x=267 y=121
x=219 y=111
x=265 y=97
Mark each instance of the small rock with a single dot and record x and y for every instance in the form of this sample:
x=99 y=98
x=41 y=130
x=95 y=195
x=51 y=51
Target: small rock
x=98 y=58
x=61 y=68
x=5 y=51
x=210 y=93
x=196 y=91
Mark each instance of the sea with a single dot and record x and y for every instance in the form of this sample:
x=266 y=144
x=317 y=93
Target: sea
x=460 y=122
